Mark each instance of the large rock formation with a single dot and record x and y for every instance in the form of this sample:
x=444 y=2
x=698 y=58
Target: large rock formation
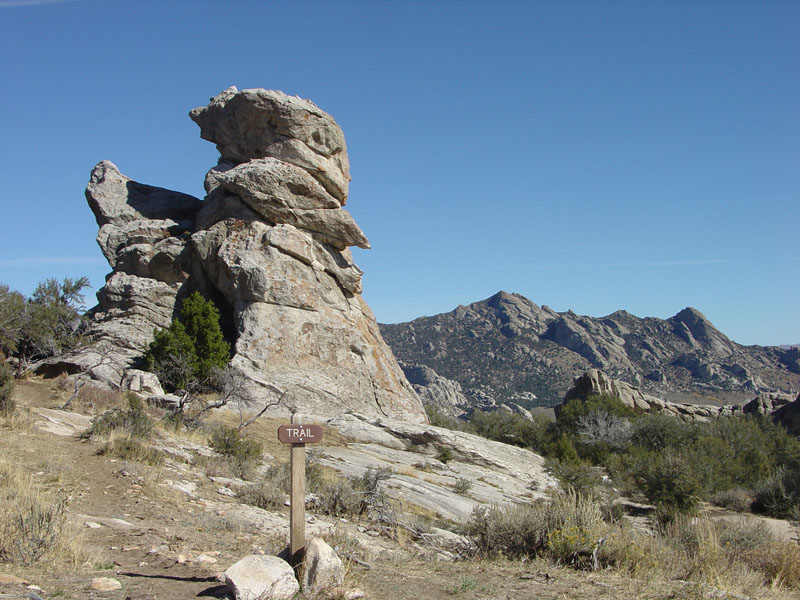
x=269 y=244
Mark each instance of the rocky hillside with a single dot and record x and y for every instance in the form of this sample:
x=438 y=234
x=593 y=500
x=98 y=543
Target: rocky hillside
x=508 y=349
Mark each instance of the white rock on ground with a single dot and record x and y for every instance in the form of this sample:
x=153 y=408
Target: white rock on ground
x=105 y=584
x=323 y=569
x=261 y=577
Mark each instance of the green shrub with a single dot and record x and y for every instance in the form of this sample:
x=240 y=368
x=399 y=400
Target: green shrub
x=46 y=324
x=779 y=494
x=737 y=536
x=134 y=421
x=576 y=475
x=124 y=446
x=565 y=529
x=658 y=432
x=355 y=495
x=511 y=428
x=243 y=453
x=671 y=485
x=191 y=348
x=563 y=449
x=445 y=455
x=737 y=499
x=8 y=405
x=173 y=357
x=569 y=414
x=279 y=475
x=264 y=494
x=462 y=486
x=715 y=457
x=339 y=498
x=201 y=319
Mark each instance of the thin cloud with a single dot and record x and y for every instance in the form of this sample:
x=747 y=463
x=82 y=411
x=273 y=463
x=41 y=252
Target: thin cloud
x=624 y=265
x=16 y=3
x=670 y=263
x=51 y=260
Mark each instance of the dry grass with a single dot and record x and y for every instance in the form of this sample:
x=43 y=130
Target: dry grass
x=91 y=399
x=778 y=562
x=31 y=518
x=19 y=420
x=732 y=556
x=123 y=445
x=735 y=557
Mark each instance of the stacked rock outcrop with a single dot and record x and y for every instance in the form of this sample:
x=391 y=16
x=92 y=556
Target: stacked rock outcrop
x=782 y=408
x=595 y=382
x=269 y=244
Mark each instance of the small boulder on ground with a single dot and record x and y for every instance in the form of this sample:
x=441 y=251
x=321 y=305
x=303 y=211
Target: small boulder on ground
x=323 y=568
x=258 y=577
x=105 y=584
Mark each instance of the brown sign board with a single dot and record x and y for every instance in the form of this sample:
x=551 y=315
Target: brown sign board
x=300 y=434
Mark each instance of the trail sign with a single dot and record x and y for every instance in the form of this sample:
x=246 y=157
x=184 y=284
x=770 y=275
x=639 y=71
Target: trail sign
x=298 y=435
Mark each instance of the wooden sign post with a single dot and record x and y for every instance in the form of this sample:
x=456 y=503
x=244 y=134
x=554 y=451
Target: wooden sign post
x=298 y=435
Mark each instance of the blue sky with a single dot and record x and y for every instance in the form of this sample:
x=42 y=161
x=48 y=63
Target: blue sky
x=589 y=155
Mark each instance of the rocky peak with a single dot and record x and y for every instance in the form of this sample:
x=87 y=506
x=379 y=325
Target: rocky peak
x=517 y=314
x=269 y=244
x=693 y=326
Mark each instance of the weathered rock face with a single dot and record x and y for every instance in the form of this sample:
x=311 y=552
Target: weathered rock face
x=499 y=474
x=259 y=123
x=269 y=244
x=323 y=569
x=789 y=416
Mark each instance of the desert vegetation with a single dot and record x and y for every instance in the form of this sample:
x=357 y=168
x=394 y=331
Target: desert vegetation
x=598 y=448
x=46 y=324
x=742 y=463
x=573 y=529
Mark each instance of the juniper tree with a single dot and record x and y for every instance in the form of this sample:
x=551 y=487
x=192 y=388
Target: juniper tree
x=187 y=352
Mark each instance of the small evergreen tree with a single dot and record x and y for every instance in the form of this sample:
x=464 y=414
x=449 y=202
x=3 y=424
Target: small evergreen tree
x=173 y=356
x=201 y=319
x=191 y=348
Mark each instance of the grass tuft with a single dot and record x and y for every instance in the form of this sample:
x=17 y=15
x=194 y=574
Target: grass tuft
x=31 y=519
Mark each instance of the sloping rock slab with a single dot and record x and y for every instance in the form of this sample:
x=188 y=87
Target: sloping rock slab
x=62 y=422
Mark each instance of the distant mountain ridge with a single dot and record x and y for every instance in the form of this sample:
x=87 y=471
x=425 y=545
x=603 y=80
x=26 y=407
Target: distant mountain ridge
x=508 y=349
